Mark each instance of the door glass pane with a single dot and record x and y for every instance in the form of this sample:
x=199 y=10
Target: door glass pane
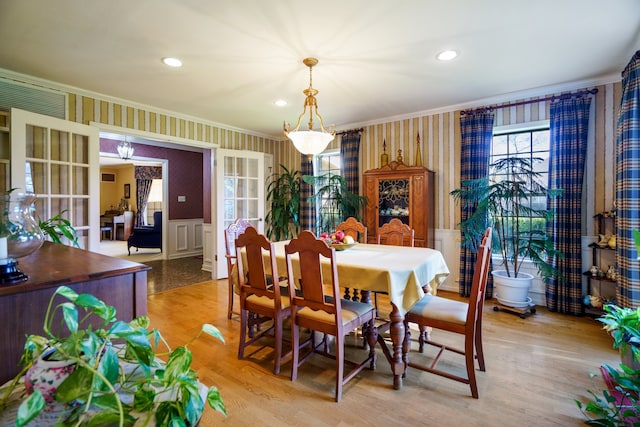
x=36 y=177
x=59 y=179
x=252 y=208
x=228 y=166
x=81 y=180
x=59 y=145
x=252 y=190
x=80 y=149
x=241 y=208
x=252 y=170
x=36 y=143
x=41 y=209
x=80 y=212
x=228 y=188
x=59 y=204
x=229 y=213
x=241 y=167
x=241 y=190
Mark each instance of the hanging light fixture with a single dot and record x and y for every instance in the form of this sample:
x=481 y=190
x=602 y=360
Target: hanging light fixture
x=125 y=149
x=310 y=141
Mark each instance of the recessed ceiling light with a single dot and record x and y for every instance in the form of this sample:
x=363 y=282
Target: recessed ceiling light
x=172 y=62
x=447 y=55
x=280 y=102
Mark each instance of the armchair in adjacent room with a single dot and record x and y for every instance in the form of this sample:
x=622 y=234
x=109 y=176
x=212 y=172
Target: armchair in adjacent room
x=147 y=236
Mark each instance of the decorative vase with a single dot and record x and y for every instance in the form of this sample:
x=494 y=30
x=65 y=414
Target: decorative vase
x=418 y=152
x=512 y=291
x=612 y=241
x=384 y=157
x=20 y=234
x=46 y=375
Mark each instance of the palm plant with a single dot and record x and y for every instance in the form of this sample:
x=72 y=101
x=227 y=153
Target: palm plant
x=514 y=204
x=283 y=196
x=337 y=201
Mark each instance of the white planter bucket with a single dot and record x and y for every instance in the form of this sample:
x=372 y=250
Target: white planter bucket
x=512 y=291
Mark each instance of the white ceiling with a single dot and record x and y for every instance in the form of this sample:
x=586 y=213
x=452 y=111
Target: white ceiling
x=377 y=58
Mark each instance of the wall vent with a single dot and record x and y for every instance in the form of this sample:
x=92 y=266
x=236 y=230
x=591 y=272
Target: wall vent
x=31 y=98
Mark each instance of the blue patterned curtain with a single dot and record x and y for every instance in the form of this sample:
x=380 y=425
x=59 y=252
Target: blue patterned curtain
x=349 y=152
x=477 y=133
x=307 y=209
x=628 y=185
x=568 y=129
x=144 y=176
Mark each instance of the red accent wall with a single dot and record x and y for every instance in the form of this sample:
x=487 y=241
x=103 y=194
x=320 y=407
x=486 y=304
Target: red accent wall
x=186 y=170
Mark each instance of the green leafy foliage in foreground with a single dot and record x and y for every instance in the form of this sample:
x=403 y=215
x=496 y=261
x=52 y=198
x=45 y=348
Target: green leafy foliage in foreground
x=101 y=346
x=618 y=407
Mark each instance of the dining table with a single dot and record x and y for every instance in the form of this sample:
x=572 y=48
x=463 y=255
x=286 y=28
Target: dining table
x=401 y=272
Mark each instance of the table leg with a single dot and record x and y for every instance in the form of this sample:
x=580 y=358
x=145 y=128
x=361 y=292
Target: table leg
x=397 y=337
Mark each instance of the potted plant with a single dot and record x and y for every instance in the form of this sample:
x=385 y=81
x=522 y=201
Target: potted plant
x=619 y=404
x=108 y=370
x=58 y=227
x=506 y=204
x=339 y=203
x=624 y=326
x=283 y=197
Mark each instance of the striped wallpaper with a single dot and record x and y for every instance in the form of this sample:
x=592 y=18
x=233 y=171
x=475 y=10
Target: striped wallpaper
x=440 y=149
x=439 y=134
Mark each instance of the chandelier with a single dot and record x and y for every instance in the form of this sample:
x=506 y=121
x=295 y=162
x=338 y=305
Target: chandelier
x=310 y=141
x=125 y=149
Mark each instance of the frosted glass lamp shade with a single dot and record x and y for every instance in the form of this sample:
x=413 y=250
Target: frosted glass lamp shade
x=310 y=141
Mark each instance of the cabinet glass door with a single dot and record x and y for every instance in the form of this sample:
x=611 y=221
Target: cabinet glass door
x=393 y=200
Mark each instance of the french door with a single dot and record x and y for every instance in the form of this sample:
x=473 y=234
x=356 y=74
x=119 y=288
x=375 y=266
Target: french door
x=240 y=194
x=58 y=161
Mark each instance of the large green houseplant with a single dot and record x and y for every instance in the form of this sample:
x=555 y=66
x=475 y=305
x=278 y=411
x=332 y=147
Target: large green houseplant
x=283 y=198
x=339 y=203
x=506 y=203
x=619 y=404
x=116 y=377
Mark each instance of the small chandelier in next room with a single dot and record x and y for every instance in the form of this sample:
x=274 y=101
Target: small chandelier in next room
x=125 y=150
x=310 y=141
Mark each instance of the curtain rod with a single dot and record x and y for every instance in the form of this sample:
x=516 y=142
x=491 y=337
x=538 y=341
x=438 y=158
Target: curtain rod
x=350 y=131
x=531 y=101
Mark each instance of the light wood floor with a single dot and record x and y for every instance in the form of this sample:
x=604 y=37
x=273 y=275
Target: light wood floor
x=536 y=367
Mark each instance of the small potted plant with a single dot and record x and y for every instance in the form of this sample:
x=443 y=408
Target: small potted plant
x=106 y=371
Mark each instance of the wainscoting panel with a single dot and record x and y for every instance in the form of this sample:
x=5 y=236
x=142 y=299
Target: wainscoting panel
x=448 y=242
x=185 y=238
x=207 y=251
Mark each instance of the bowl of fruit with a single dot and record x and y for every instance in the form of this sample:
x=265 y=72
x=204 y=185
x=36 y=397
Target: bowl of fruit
x=338 y=240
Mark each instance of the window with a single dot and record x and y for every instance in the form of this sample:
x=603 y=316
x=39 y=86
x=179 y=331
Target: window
x=532 y=144
x=326 y=166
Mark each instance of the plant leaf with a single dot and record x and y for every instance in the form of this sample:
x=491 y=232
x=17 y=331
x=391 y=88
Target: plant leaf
x=30 y=408
x=213 y=331
x=70 y=315
x=214 y=399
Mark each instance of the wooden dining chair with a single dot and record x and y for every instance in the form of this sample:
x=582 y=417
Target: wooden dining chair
x=321 y=309
x=354 y=228
x=260 y=300
x=234 y=229
x=457 y=317
x=396 y=233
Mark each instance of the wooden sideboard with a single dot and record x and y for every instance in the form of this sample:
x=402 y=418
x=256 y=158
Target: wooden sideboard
x=120 y=283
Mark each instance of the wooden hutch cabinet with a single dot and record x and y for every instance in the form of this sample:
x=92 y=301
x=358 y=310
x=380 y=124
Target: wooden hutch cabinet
x=399 y=191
